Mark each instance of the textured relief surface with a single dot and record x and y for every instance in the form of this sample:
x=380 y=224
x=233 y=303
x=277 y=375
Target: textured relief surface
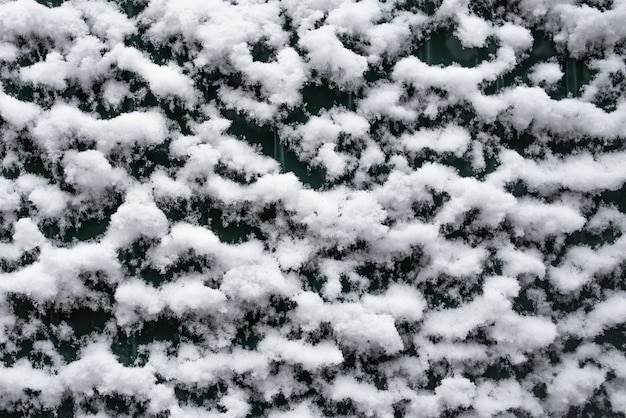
x=312 y=208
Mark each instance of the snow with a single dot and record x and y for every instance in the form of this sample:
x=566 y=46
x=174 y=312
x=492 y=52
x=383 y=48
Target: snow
x=546 y=72
x=372 y=234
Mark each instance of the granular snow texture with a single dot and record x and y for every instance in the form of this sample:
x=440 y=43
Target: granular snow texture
x=305 y=208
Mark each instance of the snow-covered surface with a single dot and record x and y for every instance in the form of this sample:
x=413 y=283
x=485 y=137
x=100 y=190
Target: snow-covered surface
x=302 y=208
